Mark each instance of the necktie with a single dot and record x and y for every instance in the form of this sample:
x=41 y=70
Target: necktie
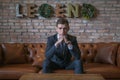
x=63 y=48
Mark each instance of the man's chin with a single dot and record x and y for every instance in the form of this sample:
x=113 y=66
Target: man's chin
x=62 y=34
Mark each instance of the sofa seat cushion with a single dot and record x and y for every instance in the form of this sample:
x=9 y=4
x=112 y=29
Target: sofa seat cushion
x=16 y=71
x=106 y=70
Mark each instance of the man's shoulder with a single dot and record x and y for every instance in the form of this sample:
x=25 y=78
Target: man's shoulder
x=71 y=36
x=52 y=36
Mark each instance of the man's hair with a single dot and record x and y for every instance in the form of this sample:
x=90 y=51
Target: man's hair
x=62 y=21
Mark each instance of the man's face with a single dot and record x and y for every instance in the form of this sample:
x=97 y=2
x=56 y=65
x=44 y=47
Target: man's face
x=62 y=29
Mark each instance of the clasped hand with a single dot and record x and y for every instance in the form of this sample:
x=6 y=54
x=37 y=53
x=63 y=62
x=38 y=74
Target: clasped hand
x=62 y=39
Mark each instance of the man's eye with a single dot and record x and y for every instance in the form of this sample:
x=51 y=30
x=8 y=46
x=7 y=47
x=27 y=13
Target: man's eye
x=63 y=28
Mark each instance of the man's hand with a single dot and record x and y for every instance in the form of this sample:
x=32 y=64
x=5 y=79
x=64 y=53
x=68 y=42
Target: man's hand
x=69 y=44
x=66 y=40
x=61 y=39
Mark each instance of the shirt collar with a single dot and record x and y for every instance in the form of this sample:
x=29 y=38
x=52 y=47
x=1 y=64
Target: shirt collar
x=58 y=36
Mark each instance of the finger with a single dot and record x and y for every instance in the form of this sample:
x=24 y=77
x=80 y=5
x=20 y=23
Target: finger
x=60 y=40
x=68 y=42
x=65 y=39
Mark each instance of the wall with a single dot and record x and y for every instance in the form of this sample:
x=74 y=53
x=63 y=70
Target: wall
x=104 y=28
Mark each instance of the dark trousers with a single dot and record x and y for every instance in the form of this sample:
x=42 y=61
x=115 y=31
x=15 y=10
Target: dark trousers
x=76 y=65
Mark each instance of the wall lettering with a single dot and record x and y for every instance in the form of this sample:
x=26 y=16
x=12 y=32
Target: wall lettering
x=61 y=10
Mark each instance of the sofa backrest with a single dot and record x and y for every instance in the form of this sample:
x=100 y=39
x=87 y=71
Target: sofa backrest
x=99 y=52
x=108 y=52
x=88 y=51
x=36 y=53
x=1 y=58
x=118 y=56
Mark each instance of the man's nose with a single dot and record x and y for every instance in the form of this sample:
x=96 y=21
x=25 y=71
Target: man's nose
x=62 y=30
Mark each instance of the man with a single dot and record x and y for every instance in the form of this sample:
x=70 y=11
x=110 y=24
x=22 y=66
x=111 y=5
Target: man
x=61 y=48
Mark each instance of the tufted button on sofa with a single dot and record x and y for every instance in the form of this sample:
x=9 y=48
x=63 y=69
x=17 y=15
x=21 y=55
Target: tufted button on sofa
x=88 y=51
x=17 y=59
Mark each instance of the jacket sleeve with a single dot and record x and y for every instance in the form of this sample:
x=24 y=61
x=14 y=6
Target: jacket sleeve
x=75 y=51
x=50 y=48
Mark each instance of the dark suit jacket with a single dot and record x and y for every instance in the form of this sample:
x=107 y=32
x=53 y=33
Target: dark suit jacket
x=56 y=54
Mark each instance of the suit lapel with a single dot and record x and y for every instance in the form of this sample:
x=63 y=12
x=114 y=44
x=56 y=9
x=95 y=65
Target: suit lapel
x=55 y=38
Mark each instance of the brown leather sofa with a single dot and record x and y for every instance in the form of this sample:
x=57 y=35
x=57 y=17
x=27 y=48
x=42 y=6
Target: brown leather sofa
x=17 y=59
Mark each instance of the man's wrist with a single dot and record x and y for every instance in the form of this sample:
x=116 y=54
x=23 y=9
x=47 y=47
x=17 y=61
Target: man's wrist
x=68 y=42
x=70 y=46
x=56 y=44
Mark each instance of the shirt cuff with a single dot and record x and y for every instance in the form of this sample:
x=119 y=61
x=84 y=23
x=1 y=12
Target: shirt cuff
x=70 y=47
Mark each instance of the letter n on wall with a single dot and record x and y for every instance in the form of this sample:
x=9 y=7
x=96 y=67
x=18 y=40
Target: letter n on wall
x=73 y=10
